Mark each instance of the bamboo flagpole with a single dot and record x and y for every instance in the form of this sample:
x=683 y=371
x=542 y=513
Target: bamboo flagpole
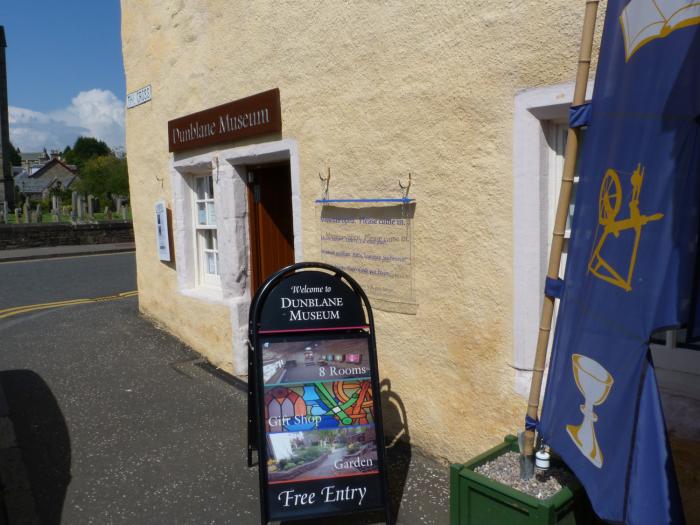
x=567 y=181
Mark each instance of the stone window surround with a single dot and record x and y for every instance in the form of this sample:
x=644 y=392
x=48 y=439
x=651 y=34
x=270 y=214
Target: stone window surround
x=534 y=108
x=677 y=370
x=228 y=168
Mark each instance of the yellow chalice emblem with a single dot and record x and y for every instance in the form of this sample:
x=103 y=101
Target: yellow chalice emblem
x=609 y=204
x=595 y=383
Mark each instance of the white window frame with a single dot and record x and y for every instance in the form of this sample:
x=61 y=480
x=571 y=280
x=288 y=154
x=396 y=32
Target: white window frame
x=204 y=277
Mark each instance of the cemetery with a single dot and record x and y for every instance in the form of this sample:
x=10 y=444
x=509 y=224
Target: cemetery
x=81 y=222
x=82 y=210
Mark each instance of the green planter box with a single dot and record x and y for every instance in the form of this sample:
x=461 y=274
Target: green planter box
x=478 y=500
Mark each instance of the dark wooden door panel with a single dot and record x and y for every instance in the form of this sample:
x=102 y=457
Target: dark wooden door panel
x=272 y=231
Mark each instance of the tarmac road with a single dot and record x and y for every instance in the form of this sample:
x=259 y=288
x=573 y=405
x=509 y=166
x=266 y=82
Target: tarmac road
x=48 y=280
x=118 y=422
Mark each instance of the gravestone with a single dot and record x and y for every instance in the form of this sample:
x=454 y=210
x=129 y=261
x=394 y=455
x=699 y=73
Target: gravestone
x=18 y=212
x=5 y=211
x=81 y=208
x=38 y=216
x=90 y=204
x=26 y=211
x=74 y=206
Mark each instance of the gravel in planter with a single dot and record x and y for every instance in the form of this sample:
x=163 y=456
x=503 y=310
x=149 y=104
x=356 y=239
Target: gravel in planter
x=506 y=469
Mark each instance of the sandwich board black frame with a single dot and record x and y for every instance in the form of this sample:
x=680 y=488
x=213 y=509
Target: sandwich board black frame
x=314 y=411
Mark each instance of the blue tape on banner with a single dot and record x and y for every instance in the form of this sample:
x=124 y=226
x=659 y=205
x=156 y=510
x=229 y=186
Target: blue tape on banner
x=579 y=115
x=553 y=287
x=531 y=424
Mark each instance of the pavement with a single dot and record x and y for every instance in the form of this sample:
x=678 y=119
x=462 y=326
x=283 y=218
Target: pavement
x=108 y=419
x=45 y=252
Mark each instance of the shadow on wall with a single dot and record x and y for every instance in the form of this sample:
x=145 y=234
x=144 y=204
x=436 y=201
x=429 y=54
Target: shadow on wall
x=398 y=461
x=171 y=240
x=42 y=436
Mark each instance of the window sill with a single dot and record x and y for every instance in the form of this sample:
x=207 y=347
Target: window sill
x=209 y=294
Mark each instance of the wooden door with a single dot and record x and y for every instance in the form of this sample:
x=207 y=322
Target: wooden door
x=270 y=219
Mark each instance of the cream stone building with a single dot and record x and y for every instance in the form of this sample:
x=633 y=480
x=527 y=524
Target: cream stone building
x=469 y=98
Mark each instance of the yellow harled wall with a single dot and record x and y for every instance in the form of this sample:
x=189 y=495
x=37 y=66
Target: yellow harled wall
x=374 y=90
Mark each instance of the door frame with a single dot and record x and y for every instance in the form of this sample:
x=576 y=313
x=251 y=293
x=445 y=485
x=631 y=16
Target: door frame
x=237 y=161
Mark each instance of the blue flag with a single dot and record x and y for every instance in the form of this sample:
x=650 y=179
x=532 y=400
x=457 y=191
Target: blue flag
x=631 y=263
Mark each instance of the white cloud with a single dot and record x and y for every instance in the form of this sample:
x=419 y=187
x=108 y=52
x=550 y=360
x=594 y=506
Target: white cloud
x=95 y=113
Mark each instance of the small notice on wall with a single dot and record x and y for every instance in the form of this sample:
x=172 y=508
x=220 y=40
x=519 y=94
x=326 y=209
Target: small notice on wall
x=373 y=242
x=162 y=234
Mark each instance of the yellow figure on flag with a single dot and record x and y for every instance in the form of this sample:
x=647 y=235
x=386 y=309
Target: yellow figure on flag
x=645 y=20
x=609 y=204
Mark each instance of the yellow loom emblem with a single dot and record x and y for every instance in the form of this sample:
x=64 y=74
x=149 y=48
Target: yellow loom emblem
x=645 y=20
x=609 y=204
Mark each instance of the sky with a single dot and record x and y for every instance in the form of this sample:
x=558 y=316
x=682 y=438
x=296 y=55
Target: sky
x=65 y=75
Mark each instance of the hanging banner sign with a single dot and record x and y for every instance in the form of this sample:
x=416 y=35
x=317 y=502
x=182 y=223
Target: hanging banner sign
x=247 y=117
x=372 y=240
x=313 y=383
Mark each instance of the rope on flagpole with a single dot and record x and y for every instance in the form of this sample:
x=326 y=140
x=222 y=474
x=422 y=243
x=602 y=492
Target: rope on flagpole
x=567 y=181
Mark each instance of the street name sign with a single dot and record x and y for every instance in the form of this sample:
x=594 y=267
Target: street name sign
x=314 y=414
x=138 y=97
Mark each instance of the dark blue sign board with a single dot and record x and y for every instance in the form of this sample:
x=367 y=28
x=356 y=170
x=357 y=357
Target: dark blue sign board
x=314 y=414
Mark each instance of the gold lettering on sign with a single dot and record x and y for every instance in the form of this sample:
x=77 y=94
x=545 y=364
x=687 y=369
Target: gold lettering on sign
x=228 y=123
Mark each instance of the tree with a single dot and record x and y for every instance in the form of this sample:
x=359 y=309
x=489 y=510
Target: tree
x=15 y=157
x=84 y=149
x=104 y=176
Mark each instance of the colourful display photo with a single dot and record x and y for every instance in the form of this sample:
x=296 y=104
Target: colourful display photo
x=302 y=361
x=318 y=406
x=321 y=454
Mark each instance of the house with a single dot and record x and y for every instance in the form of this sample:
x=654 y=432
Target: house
x=456 y=110
x=41 y=179
x=34 y=160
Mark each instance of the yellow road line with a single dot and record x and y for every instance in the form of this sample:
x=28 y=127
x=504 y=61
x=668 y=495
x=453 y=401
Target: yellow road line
x=8 y=312
x=57 y=303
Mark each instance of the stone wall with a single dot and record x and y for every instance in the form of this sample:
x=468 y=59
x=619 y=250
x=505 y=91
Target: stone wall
x=14 y=236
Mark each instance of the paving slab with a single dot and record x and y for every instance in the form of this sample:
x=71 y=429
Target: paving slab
x=119 y=422
x=47 y=252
